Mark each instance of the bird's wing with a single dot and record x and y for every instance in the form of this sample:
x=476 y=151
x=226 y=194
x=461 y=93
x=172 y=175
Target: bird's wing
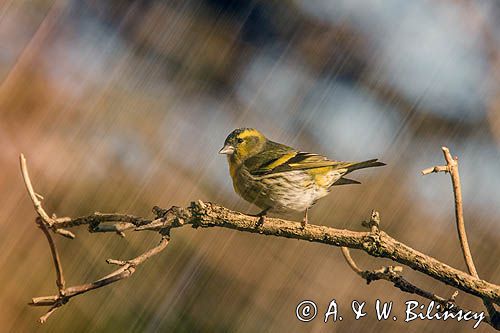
x=279 y=159
x=304 y=161
x=273 y=154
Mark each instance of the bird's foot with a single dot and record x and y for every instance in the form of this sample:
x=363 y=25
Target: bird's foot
x=260 y=221
x=304 y=221
x=261 y=216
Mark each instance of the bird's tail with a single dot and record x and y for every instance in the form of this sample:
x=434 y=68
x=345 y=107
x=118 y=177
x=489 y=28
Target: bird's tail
x=356 y=166
x=365 y=164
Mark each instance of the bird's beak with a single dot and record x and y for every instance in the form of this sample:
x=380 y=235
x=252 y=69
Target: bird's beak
x=227 y=150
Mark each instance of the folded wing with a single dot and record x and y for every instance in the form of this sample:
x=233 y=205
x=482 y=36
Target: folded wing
x=283 y=159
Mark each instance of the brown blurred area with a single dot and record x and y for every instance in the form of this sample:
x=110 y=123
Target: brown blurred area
x=122 y=105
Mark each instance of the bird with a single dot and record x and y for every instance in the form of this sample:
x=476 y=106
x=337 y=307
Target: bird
x=278 y=178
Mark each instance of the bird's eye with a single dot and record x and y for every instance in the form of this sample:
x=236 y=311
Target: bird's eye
x=240 y=140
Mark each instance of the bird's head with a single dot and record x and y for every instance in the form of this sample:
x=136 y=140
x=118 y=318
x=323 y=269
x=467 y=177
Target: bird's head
x=242 y=144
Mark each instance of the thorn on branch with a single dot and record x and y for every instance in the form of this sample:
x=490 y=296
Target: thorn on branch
x=374 y=223
x=65 y=233
x=116 y=262
x=159 y=212
x=435 y=169
x=201 y=204
x=453 y=297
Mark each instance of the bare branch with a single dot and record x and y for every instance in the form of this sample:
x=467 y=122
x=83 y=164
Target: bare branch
x=46 y=316
x=34 y=197
x=44 y=221
x=37 y=204
x=452 y=168
x=459 y=211
x=104 y=222
x=435 y=169
x=55 y=256
x=373 y=223
x=391 y=274
x=127 y=268
x=378 y=244
x=347 y=256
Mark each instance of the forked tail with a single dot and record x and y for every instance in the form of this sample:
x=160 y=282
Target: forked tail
x=364 y=164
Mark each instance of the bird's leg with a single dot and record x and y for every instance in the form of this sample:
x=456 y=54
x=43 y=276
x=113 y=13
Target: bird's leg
x=304 y=220
x=261 y=216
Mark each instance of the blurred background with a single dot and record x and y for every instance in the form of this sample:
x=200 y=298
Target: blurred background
x=123 y=105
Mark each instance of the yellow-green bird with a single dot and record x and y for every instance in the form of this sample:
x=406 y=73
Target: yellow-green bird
x=279 y=178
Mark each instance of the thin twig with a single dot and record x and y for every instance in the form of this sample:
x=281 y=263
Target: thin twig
x=373 y=223
x=127 y=268
x=391 y=274
x=44 y=221
x=34 y=197
x=452 y=163
x=37 y=204
x=452 y=168
x=55 y=256
x=46 y=316
x=347 y=256
x=435 y=169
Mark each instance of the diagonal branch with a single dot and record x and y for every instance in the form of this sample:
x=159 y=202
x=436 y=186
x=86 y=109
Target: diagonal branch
x=44 y=221
x=391 y=274
x=49 y=221
x=452 y=168
x=55 y=256
x=377 y=244
x=127 y=268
